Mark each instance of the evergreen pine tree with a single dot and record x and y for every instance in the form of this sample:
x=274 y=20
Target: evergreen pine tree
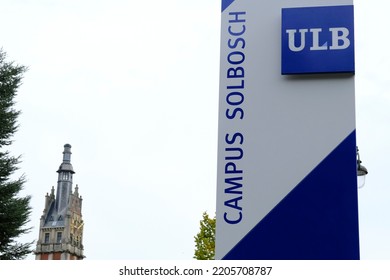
x=14 y=210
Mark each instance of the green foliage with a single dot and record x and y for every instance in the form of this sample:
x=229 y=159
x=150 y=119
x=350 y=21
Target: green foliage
x=205 y=239
x=14 y=210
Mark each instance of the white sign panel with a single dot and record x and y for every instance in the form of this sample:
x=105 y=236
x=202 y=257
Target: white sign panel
x=287 y=151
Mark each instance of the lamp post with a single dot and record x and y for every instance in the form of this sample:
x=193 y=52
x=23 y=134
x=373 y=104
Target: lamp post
x=361 y=171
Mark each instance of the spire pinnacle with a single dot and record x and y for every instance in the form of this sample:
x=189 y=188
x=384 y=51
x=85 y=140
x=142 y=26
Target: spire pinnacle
x=66 y=165
x=67 y=153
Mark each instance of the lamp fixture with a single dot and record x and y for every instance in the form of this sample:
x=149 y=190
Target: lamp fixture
x=361 y=171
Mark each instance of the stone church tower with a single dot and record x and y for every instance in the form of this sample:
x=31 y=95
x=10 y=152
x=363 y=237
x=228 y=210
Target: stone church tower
x=61 y=227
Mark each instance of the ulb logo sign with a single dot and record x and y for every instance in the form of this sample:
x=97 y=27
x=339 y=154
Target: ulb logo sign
x=318 y=40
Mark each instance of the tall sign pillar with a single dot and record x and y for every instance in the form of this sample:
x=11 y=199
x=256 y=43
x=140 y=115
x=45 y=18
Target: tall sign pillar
x=287 y=179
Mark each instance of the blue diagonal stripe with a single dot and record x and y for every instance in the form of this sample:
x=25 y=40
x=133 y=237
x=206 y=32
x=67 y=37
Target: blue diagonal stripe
x=317 y=220
x=226 y=3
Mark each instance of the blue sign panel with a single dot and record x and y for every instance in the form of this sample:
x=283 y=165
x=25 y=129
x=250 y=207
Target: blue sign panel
x=318 y=40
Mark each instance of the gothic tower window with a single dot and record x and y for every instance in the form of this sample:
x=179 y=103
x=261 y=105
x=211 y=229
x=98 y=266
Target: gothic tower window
x=59 y=237
x=47 y=237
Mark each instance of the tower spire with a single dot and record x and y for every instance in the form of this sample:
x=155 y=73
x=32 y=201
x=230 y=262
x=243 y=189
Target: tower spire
x=61 y=229
x=65 y=180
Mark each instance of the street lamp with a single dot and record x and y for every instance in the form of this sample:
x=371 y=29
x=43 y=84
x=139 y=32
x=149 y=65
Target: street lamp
x=361 y=171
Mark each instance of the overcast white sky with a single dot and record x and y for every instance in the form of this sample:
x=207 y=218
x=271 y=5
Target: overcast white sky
x=133 y=87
